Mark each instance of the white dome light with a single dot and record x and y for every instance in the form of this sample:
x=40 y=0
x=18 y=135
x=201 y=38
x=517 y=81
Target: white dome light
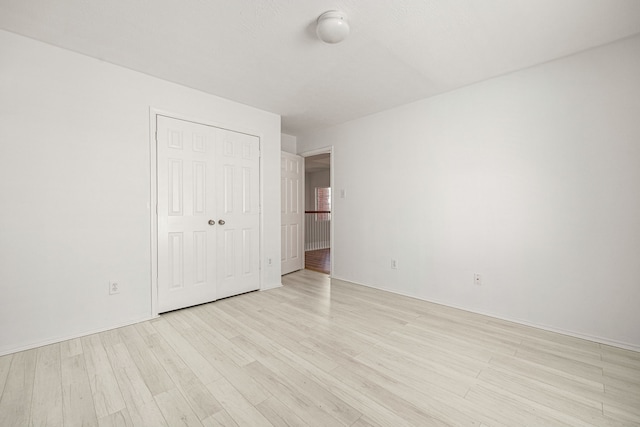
x=332 y=26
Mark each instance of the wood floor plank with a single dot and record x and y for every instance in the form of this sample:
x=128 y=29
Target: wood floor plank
x=508 y=410
x=428 y=393
x=15 y=403
x=224 y=325
x=565 y=364
x=225 y=365
x=461 y=359
x=202 y=402
x=145 y=329
x=365 y=421
x=206 y=372
x=363 y=403
x=250 y=347
x=384 y=393
x=576 y=406
x=623 y=399
x=117 y=419
x=556 y=377
x=154 y=376
x=442 y=378
x=146 y=415
x=176 y=409
x=278 y=414
x=627 y=415
x=110 y=337
x=78 y=408
x=104 y=386
x=305 y=385
x=300 y=404
x=70 y=348
x=171 y=362
x=182 y=377
x=5 y=364
x=240 y=328
x=134 y=389
x=243 y=412
x=543 y=407
x=283 y=336
x=47 y=388
x=210 y=333
x=219 y=419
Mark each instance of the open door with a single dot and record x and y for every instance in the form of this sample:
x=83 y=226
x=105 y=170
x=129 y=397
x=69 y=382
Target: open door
x=292 y=212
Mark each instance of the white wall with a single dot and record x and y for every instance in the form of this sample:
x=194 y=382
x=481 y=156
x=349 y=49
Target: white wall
x=75 y=188
x=531 y=179
x=288 y=143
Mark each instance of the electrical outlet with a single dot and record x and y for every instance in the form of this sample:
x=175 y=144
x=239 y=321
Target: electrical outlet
x=394 y=264
x=269 y=261
x=114 y=287
x=477 y=279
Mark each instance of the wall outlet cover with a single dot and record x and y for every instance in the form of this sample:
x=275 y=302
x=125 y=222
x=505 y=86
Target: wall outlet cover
x=114 y=287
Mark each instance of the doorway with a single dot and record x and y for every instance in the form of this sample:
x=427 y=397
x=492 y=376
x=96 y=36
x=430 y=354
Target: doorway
x=318 y=212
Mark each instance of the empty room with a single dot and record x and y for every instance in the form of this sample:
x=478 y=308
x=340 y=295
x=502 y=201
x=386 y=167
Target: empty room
x=315 y=213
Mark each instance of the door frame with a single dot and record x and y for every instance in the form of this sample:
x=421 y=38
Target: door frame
x=324 y=150
x=153 y=191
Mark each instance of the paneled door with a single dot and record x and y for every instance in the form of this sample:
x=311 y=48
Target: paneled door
x=292 y=214
x=238 y=213
x=208 y=213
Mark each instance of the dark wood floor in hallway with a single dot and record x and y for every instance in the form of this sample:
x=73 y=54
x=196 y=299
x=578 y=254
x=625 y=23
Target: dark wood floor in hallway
x=318 y=260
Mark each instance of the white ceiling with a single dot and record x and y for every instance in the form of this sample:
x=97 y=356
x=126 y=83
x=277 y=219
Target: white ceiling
x=264 y=53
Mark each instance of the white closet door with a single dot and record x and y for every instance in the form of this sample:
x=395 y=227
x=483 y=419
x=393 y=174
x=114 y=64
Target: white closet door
x=292 y=214
x=208 y=217
x=238 y=191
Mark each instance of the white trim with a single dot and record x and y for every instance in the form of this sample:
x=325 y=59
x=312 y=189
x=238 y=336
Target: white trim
x=592 y=338
x=324 y=150
x=153 y=196
x=71 y=337
x=276 y=286
x=153 y=211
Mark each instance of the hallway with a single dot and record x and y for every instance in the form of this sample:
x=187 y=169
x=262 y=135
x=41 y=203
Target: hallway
x=318 y=260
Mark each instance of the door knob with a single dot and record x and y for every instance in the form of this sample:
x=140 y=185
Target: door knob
x=221 y=222
x=212 y=222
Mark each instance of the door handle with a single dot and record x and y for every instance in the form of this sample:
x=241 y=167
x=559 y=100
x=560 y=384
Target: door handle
x=221 y=222
x=212 y=222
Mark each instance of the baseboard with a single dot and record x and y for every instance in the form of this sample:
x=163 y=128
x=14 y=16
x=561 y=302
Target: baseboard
x=4 y=352
x=593 y=338
x=275 y=286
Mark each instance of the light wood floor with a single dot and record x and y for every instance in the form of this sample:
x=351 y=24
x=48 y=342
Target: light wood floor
x=322 y=354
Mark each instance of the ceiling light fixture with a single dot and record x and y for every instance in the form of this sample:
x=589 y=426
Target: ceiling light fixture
x=332 y=26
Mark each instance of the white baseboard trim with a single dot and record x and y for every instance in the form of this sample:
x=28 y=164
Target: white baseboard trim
x=593 y=338
x=276 y=286
x=6 y=351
